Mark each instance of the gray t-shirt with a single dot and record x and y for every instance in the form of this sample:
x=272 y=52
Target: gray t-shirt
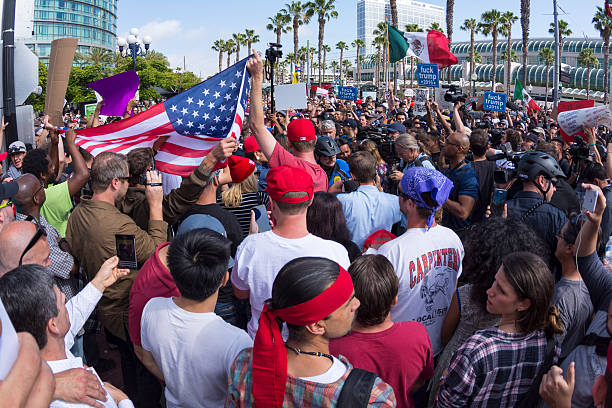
x=575 y=308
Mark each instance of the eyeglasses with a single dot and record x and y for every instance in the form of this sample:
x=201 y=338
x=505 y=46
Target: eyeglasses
x=6 y=204
x=126 y=178
x=39 y=233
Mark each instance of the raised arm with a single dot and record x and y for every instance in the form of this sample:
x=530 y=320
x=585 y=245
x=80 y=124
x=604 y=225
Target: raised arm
x=457 y=118
x=447 y=127
x=81 y=172
x=256 y=114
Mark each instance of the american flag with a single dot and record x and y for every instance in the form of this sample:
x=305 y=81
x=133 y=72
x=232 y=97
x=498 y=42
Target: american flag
x=194 y=121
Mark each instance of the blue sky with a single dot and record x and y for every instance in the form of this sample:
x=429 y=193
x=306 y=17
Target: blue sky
x=189 y=27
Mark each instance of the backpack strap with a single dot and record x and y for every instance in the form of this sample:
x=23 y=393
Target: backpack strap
x=357 y=388
x=531 y=210
x=532 y=396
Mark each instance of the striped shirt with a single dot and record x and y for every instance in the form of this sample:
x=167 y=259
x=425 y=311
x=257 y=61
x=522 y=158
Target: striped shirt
x=494 y=368
x=298 y=392
x=243 y=212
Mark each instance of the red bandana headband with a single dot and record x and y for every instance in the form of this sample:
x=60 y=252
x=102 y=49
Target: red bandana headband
x=269 y=354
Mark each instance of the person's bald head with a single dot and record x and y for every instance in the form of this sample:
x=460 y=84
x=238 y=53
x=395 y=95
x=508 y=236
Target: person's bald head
x=30 y=194
x=457 y=145
x=15 y=237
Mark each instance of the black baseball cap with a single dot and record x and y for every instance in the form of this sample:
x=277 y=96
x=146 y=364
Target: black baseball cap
x=8 y=190
x=352 y=123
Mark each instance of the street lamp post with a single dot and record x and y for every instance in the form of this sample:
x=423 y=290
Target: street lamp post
x=474 y=78
x=134 y=48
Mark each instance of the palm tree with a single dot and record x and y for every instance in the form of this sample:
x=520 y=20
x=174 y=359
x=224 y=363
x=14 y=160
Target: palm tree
x=603 y=24
x=326 y=48
x=450 y=9
x=346 y=64
x=477 y=58
x=525 y=10
x=513 y=56
x=334 y=65
x=564 y=32
x=379 y=41
x=251 y=38
x=279 y=24
x=341 y=45
x=412 y=28
x=507 y=20
x=291 y=57
x=359 y=44
x=239 y=39
x=435 y=27
x=588 y=59
x=296 y=11
x=230 y=47
x=312 y=52
x=393 y=8
x=547 y=56
x=471 y=25
x=324 y=10
x=490 y=24
x=219 y=46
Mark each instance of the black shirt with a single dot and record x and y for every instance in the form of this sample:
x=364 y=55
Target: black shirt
x=484 y=171
x=565 y=198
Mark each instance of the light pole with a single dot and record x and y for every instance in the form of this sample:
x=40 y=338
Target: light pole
x=134 y=47
x=474 y=78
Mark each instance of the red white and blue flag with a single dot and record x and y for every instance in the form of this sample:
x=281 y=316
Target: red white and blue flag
x=193 y=122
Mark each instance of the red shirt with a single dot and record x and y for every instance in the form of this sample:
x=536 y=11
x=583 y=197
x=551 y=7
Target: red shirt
x=280 y=157
x=400 y=356
x=153 y=280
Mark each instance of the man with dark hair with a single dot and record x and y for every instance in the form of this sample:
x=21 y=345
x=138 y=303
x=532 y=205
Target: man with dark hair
x=16 y=152
x=179 y=200
x=45 y=166
x=374 y=336
x=260 y=257
x=300 y=132
x=35 y=305
x=367 y=209
x=565 y=197
x=595 y=173
x=479 y=144
x=427 y=257
x=186 y=345
x=458 y=207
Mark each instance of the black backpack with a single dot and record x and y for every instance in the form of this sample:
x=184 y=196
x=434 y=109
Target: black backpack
x=357 y=388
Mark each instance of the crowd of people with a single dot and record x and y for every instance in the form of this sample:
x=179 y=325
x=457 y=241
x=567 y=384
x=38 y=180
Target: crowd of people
x=348 y=254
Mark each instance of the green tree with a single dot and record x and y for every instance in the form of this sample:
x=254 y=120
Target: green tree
x=435 y=27
x=334 y=65
x=564 y=32
x=603 y=24
x=547 y=56
x=279 y=24
x=507 y=21
x=297 y=13
x=412 y=28
x=230 y=48
x=393 y=8
x=326 y=48
x=325 y=10
x=513 y=56
x=477 y=58
x=588 y=59
x=38 y=101
x=239 y=39
x=219 y=46
x=379 y=42
x=341 y=45
x=291 y=57
x=346 y=64
x=470 y=24
x=359 y=44
x=525 y=11
x=251 y=38
x=490 y=24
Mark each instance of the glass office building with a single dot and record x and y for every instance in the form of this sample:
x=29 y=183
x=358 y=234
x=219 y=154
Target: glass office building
x=372 y=12
x=93 y=22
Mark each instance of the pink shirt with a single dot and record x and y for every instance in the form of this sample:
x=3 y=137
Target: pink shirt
x=400 y=356
x=281 y=157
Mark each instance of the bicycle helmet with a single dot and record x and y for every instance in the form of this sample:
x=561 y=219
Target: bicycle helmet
x=533 y=164
x=326 y=146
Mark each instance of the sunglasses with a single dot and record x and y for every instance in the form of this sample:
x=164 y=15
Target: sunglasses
x=6 y=204
x=39 y=233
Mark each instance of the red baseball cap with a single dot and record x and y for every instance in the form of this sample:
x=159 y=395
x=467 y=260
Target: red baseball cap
x=378 y=238
x=301 y=130
x=3 y=156
x=250 y=145
x=240 y=168
x=286 y=179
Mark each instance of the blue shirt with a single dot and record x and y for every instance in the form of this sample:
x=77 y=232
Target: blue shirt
x=344 y=173
x=263 y=173
x=425 y=161
x=368 y=210
x=465 y=183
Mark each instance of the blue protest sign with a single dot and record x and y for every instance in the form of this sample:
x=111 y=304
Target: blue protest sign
x=494 y=101
x=348 y=93
x=427 y=75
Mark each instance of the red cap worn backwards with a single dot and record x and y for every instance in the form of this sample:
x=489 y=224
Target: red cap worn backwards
x=240 y=168
x=250 y=145
x=286 y=179
x=301 y=130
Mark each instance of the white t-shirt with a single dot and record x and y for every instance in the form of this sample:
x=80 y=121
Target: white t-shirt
x=261 y=256
x=428 y=264
x=333 y=374
x=193 y=350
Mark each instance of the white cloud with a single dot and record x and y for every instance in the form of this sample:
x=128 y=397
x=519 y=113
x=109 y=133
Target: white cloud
x=162 y=30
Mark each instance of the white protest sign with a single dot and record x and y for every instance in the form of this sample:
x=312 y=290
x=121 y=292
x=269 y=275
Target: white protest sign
x=572 y=121
x=8 y=343
x=321 y=91
x=420 y=97
x=409 y=93
x=442 y=104
x=290 y=96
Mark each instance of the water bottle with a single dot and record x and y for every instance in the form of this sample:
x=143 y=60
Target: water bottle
x=609 y=251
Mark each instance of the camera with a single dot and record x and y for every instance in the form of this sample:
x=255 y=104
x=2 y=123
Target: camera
x=504 y=176
x=455 y=95
x=579 y=150
x=384 y=144
x=273 y=53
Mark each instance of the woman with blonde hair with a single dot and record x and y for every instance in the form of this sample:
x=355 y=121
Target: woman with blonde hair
x=241 y=198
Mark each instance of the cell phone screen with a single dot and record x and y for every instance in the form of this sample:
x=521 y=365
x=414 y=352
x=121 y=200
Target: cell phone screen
x=498 y=201
x=126 y=251
x=261 y=216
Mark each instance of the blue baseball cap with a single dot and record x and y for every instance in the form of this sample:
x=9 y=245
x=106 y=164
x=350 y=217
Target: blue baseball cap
x=396 y=127
x=197 y=221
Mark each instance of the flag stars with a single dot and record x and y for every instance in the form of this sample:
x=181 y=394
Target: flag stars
x=217 y=119
x=213 y=128
x=211 y=105
x=201 y=126
x=224 y=128
x=195 y=114
x=238 y=74
x=184 y=111
x=206 y=92
x=222 y=84
x=217 y=94
x=200 y=103
x=228 y=119
x=190 y=100
x=205 y=116
x=227 y=97
x=179 y=121
x=190 y=124
x=173 y=108
x=222 y=108
x=233 y=85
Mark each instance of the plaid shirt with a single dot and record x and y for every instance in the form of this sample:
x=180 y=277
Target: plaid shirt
x=61 y=262
x=494 y=369
x=298 y=392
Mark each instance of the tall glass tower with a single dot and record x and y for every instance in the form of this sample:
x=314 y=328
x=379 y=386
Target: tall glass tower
x=372 y=12
x=93 y=22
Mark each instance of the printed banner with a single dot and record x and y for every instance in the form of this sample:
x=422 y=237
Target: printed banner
x=428 y=75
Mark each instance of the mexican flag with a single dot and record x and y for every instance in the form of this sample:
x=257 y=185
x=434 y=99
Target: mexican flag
x=521 y=94
x=430 y=47
x=608 y=6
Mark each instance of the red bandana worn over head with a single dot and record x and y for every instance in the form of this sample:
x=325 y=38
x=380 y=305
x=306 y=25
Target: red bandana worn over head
x=269 y=354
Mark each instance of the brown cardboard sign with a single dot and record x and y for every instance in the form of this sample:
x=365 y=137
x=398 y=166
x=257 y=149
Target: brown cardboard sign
x=60 y=63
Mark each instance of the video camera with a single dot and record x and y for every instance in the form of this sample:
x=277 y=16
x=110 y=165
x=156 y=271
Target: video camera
x=504 y=176
x=274 y=53
x=385 y=145
x=579 y=150
x=455 y=95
